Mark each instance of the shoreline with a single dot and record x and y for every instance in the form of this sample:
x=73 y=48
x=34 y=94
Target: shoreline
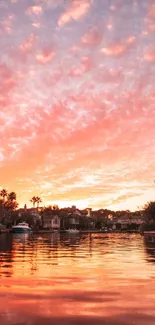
x=83 y=232
x=46 y=231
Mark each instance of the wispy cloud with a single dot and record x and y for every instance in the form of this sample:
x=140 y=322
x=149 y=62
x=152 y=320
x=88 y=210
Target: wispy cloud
x=76 y=11
x=34 y=10
x=45 y=56
x=92 y=38
x=114 y=50
x=28 y=44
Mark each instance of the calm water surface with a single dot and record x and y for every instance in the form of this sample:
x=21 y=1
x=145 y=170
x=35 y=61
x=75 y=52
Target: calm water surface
x=61 y=279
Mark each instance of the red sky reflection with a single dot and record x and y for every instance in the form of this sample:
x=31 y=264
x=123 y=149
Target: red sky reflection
x=77 y=101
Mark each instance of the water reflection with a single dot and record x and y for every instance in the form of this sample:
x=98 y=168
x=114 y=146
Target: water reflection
x=150 y=250
x=5 y=255
x=56 y=278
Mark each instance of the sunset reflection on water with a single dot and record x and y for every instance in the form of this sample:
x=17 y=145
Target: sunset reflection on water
x=57 y=279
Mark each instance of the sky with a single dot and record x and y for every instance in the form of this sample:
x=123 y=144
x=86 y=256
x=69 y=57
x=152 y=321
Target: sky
x=77 y=101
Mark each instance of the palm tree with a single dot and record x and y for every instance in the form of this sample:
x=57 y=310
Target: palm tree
x=12 y=196
x=38 y=200
x=34 y=200
x=10 y=205
x=3 y=193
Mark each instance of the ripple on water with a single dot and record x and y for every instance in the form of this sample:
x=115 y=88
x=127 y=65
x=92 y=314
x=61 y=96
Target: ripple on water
x=54 y=278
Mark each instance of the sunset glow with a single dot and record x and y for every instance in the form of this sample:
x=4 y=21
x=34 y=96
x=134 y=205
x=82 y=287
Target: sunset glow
x=77 y=101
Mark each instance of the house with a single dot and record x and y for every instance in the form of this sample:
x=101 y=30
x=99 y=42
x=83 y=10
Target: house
x=24 y=212
x=132 y=222
x=75 y=211
x=20 y=212
x=35 y=213
x=123 y=222
x=51 y=221
x=73 y=220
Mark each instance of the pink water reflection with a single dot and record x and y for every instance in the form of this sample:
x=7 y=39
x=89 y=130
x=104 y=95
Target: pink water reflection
x=100 y=279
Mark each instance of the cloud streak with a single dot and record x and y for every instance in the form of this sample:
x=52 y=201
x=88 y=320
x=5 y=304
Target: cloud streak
x=74 y=12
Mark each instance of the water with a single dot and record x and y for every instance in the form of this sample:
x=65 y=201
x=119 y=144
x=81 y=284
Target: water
x=60 y=279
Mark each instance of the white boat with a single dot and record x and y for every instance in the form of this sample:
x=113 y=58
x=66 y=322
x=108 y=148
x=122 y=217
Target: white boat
x=72 y=231
x=22 y=227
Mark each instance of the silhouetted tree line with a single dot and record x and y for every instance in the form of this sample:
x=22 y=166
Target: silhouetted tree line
x=9 y=213
x=149 y=217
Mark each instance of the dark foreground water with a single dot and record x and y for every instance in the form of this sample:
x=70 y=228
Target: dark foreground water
x=88 y=279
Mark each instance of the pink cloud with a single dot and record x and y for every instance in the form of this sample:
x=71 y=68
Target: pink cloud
x=7 y=24
x=87 y=63
x=151 y=27
x=28 y=44
x=114 y=50
x=109 y=75
x=93 y=37
x=45 y=56
x=118 y=49
x=54 y=77
x=150 y=56
x=36 y=24
x=131 y=39
x=152 y=11
x=75 y=49
x=35 y=10
x=113 y=7
x=7 y=80
x=75 y=72
x=75 y=12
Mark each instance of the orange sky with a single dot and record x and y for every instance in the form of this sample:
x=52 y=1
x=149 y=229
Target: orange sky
x=77 y=101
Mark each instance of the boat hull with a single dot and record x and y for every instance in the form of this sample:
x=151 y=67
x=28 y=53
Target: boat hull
x=21 y=231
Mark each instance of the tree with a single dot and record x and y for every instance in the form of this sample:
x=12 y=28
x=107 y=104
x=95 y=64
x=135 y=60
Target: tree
x=2 y=210
x=149 y=211
x=14 y=217
x=10 y=205
x=34 y=200
x=63 y=214
x=3 y=193
x=38 y=200
x=10 y=209
x=55 y=207
x=27 y=217
x=48 y=210
x=12 y=196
